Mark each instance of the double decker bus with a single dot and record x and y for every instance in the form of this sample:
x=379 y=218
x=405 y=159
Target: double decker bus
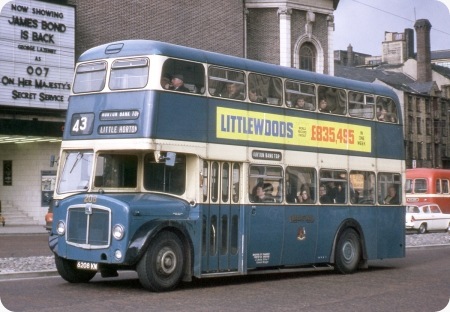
x=428 y=185
x=180 y=163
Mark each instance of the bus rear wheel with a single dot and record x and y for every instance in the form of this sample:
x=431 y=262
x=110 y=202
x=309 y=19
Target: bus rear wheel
x=68 y=271
x=161 y=267
x=348 y=252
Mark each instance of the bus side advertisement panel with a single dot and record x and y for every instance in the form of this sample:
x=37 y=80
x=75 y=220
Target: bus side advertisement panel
x=253 y=126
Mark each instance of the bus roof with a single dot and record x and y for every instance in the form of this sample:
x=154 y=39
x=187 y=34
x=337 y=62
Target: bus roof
x=427 y=173
x=128 y=48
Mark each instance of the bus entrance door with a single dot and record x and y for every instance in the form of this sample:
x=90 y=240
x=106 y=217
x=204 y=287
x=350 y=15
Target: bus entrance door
x=220 y=243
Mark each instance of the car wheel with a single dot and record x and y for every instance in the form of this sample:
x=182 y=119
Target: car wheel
x=422 y=229
x=348 y=252
x=161 y=267
x=68 y=271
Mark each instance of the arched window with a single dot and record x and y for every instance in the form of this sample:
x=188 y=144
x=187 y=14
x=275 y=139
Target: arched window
x=308 y=57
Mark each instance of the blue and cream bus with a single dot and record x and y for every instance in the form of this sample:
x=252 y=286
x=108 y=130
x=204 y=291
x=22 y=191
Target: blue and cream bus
x=247 y=168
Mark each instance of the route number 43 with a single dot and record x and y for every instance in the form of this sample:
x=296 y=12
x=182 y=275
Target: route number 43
x=81 y=124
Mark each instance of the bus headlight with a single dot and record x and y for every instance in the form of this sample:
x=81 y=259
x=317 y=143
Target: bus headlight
x=118 y=254
x=118 y=231
x=61 y=228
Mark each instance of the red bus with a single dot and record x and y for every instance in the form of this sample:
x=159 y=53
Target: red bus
x=428 y=185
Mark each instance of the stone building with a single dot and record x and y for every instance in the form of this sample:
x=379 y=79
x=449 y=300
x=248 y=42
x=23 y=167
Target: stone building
x=423 y=89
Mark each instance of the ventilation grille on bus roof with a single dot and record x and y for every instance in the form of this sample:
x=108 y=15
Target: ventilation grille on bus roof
x=114 y=48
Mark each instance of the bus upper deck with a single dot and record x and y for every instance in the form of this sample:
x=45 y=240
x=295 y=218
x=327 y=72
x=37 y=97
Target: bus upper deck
x=355 y=111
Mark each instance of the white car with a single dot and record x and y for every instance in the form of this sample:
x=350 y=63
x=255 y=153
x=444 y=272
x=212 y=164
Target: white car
x=426 y=217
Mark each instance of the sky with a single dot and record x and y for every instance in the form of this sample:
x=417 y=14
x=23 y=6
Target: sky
x=362 y=23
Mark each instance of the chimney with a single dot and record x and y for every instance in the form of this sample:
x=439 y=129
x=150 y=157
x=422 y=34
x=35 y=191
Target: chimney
x=423 y=28
x=350 y=55
x=409 y=38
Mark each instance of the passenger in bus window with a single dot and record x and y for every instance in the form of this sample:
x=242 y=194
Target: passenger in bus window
x=340 y=194
x=392 y=197
x=260 y=193
x=301 y=104
x=165 y=83
x=303 y=196
x=178 y=83
x=233 y=91
x=254 y=97
x=324 y=198
x=323 y=106
x=382 y=114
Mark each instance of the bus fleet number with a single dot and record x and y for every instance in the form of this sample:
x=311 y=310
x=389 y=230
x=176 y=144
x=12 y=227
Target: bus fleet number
x=329 y=134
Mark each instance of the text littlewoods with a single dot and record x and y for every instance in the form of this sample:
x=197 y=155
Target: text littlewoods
x=256 y=126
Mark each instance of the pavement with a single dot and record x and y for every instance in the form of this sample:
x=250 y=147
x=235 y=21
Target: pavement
x=30 y=267
x=23 y=229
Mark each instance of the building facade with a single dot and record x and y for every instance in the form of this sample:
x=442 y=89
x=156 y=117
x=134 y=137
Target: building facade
x=423 y=89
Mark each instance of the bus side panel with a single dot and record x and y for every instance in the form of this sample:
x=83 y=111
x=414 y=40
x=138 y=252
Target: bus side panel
x=391 y=232
x=265 y=226
x=182 y=117
x=391 y=135
x=329 y=220
x=300 y=237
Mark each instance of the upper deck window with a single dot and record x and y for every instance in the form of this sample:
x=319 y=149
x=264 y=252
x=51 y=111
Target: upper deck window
x=332 y=100
x=129 y=74
x=265 y=89
x=90 y=77
x=361 y=105
x=183 y=76
x=226 y=83
x=386 y=110
x=300 y=95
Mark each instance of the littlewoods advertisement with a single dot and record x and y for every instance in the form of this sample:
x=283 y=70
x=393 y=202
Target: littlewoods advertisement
x=36 y=53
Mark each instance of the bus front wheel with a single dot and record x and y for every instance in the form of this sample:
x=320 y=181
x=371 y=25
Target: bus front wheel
x=68 y=271
x=348 y=252
x=161 y=267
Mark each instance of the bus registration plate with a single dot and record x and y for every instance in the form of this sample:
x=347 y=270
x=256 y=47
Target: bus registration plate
x=87 y=266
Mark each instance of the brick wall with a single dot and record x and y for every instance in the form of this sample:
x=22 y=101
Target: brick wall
x=213 y=25
x=263 y=35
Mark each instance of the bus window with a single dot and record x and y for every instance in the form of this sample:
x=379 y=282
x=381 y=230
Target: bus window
x=386 y=110
x=129 y=74
x=362 y=187
x=408 y=186
x=264 y=89
x=205 y=183
x=76 y=172
x=444 y=186
x=90 y=77
x=300 y=95
x=159 y=177
x=420 y=186
x=116 y=171
x=225 y=182
x=335 y=99
x=265 y=184
x=235 y=186
x=301 y=185
x=226 y=83
x=361 y=105
x=389 y=188
x=214 y=182
x=193 y=74
x=333 y=187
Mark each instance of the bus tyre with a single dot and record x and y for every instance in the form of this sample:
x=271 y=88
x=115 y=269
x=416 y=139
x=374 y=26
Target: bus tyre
x=348 y=252
x=161 y=267
x=68 y=271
